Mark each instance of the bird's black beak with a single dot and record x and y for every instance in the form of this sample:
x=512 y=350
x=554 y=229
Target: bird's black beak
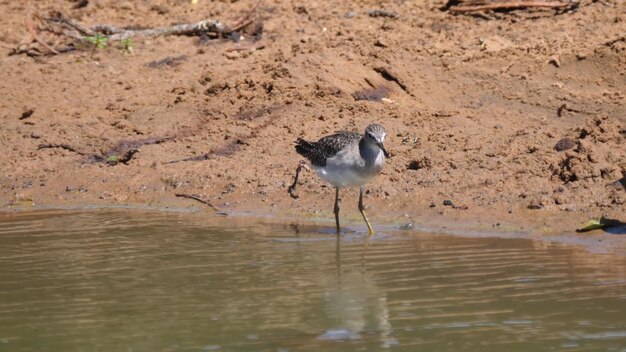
x=382 y=147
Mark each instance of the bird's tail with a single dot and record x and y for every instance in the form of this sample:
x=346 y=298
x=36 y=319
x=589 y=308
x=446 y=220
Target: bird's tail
x=304 y=148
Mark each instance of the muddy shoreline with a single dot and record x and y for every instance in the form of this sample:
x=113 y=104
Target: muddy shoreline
x=519 y=121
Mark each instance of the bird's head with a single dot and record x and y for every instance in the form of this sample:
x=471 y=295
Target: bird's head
x=376 y=134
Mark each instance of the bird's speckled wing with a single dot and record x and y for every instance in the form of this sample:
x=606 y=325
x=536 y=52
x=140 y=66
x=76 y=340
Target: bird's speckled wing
x=318 y=152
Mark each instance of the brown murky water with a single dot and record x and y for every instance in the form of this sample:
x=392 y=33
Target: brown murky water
x=128 y=281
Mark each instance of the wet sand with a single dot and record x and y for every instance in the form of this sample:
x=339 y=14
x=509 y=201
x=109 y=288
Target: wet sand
x=519 y=120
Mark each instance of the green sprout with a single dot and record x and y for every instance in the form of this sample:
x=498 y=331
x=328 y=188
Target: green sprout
x=98 y=40
x=111 y=160
x=127 y=45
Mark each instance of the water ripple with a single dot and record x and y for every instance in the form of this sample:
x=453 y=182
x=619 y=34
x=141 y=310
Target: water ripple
x=179 y=282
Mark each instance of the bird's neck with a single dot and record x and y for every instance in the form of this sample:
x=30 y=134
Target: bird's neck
x=369 y=151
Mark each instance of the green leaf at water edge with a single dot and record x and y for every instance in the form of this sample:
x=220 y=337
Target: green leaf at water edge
x=591 y=225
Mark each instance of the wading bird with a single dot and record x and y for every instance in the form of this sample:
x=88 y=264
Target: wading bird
x=345 y=159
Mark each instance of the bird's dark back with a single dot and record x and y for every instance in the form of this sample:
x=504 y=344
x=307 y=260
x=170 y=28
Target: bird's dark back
x=327 y=147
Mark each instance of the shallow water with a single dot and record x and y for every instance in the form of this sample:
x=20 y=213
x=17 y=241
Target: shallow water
x=176 y=282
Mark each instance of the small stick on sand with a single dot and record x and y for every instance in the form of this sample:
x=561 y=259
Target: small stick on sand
x=509 y=5
x=197 y=198
x=62 y=25
x=30 y=26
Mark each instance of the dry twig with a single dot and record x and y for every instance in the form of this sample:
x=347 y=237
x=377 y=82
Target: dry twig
x=462 y=6
x=61 y=146
x=30 y=26
x=251 y=46
x=59 y=24
x=197 y=198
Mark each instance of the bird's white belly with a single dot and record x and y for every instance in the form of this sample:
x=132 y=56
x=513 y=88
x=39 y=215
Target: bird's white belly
x=343 y=177
x=349 y=170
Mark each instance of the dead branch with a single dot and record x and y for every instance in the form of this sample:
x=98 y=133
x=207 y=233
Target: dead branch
x=116 y=33
x=30 y=26
x=245 y=20
x=381 y=13
x=59 y=24
x=204 y=26
x=198 y=199
x=61 y=146
x=483 y=5
x=68 y=23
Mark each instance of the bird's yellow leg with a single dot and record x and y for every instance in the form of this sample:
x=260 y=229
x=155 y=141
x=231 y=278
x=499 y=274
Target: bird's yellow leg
x=336 y=210
x=362 y=210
